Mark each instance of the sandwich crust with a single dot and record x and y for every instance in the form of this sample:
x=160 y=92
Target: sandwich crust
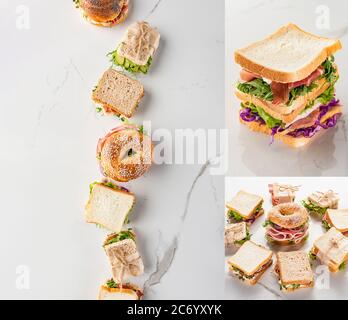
x=241 y=56
x=127 y=289
x=338 y=218
x=126 y=155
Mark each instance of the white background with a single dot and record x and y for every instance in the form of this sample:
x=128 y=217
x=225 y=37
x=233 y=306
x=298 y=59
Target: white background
x=252 y=20
x=49 y=130
x=268 y=287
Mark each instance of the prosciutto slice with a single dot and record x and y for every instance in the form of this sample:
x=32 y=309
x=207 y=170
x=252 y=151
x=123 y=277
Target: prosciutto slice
x=247 y=76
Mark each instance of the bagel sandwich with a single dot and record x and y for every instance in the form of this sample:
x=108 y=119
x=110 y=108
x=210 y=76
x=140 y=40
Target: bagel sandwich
x=294 y=270
x=236 y=234
x=125 y=153
x=287 y=224
x=109 y=206
x=105 y=13
x=123 y=255
x=287 y=85
x=319 y=202
x=245 y=207
x=331 y=249
x=337 y=218
x=135 y=53
x=117 y=94
x=282 y=193
x=250 y=262
x=114 y=291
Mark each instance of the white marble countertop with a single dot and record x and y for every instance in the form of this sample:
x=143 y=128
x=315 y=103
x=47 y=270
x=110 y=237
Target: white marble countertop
x=249 y=21
x=328 y=286
x=49 y=130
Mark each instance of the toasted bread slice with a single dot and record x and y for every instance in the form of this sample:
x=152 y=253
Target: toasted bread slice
x=108 y=207
x=288 y=55
x=118 y=92
x=289 y=140
x=250 y=258
x=244 y=203
x=331 y=249
x=294 y=268
x=281 y=111
x=338 y=218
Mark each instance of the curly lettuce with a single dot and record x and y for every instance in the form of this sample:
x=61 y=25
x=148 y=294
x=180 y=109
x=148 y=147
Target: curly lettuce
x=314 y=209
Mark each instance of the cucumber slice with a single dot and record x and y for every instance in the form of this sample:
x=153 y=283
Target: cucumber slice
x=144 y=69
x=119 y=59
x=126 y=63
x=135 y=68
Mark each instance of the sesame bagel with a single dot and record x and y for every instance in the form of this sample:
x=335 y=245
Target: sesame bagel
x=288 y=215
x=125 y=153
x=105 y=12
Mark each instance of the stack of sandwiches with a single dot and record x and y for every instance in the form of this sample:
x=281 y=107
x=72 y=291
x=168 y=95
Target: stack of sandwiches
x=287 y=85
x=245 y=207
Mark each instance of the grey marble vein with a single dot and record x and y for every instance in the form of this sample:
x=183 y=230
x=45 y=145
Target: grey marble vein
x=273 y=291
x=154 y=8
x=76 y=70
x=63 y=82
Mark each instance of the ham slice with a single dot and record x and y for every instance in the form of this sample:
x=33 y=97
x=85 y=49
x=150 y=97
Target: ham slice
x=308 y=81
x=280 y=92
x=247 y=76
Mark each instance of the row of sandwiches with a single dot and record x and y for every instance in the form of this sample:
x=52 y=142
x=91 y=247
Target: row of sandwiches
x=124 y=154
x=287 y=224
x=287 y=85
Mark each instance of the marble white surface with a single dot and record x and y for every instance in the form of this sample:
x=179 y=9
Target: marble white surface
x=250 y=153
x=49 y=130
x=328 y=286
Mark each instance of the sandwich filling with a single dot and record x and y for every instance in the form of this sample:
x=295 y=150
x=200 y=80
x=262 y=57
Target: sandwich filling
x=313 y=255
x=123 y=235
x=320 y=113
x=276 y=233
x=236 y=217
x=111 y=284
x=127 y=64
x=318 y=203
x=243 y=276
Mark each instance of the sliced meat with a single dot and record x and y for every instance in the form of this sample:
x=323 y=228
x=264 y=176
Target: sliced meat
x=307 y=122
x=308 y=81
x=247 y=76
x=280 y=92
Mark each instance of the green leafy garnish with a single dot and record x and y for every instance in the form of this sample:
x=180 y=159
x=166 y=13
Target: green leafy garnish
x=99 y=109
x=235 y=216
x=330 y=72
x=107 y=184
x=77 y=3
x=300 y=91
x=326 y=225
x=267 y=223
x=258 y=88
x=314 y=209
x=327 y=95
x=112 y=284
x=312 y=256
x=120 y=236
x=127 y=64
x=342 y=266
x=269 y=120
x=247 y=238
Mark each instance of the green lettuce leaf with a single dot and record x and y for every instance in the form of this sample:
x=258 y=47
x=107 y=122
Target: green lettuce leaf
x=258 y=88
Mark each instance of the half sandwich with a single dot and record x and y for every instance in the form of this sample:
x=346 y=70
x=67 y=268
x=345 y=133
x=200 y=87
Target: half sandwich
x=250 y=262
x=337 y=218
x=109 y=206
x=245 y=207
x=236 y=234
x=294 y=270
x=287 y=85
x=114 y=291
x=331 y=249
x=319 y=202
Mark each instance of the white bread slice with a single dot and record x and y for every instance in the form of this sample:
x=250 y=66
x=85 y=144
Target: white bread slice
x=283 y=112
x=294 y=268
x=288 y=55
x=338 y=218
x=106 y=293
x=244 y=203
x=331 y=249
x=250 y=258
x=108 y=207
x=289 y=140
x=118 y=92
